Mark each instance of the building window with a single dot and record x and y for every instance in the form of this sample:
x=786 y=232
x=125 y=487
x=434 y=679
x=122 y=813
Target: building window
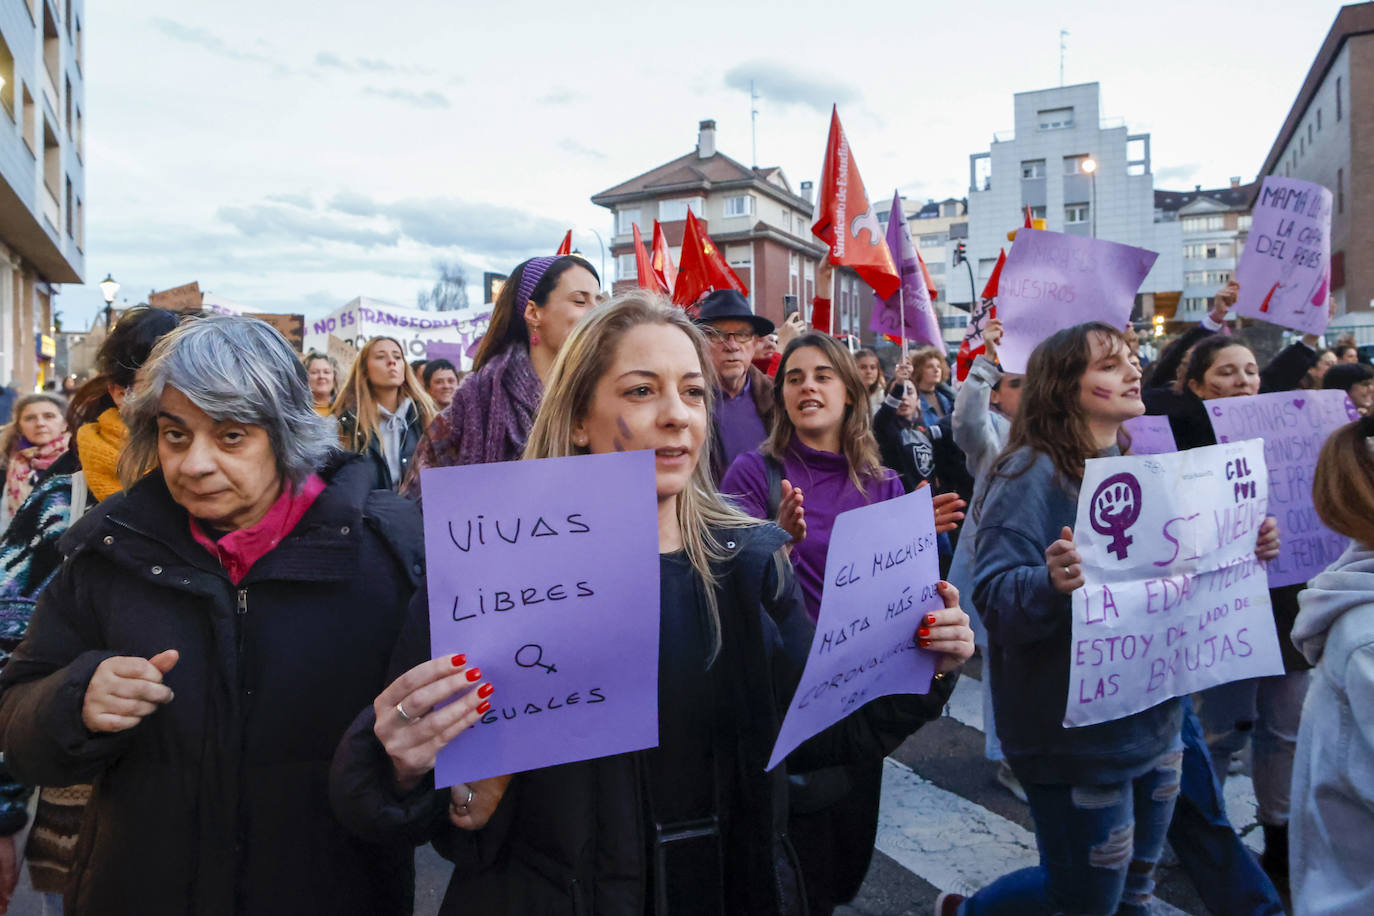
x=30 y=116
x=6 y=78
x=1319 y=119
x=1056 y=118
x=52 y=48
x=738 y=206
x=80 y=226
x=1243 y=222
x=1193 y=278
x=801 y=227
x=625 y=267
x=1075 y=213
x=79 y=138
x=1204 y=223
x=935 y=267
x=625 y=220
x=71 y=210
x=933 y=239
x=80 y=45
x=676 y=210
x=1340 y=190
x=1338 y=98
x=1073 y=165
x=52 y=160
x=1309 y=131
x=1033 y=168
x=68 y=98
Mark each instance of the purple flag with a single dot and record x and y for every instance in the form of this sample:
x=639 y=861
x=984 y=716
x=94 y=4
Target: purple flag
x=912 y=299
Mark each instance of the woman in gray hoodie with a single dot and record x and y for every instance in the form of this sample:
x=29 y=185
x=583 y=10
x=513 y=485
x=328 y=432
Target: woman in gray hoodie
x=1331 y=831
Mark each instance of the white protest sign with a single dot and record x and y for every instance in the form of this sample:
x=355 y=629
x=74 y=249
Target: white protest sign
x=1285 y=271
x=1174 y=598
x=880 y=577
x=362 y=319
x=1053 y=281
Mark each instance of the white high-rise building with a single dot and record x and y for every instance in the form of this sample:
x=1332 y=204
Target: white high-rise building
x=1079 y=172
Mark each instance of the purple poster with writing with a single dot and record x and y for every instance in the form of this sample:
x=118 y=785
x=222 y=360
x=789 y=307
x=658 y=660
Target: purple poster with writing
x=545 y=574
x=880 y=577
x=1285 y=271
x=438 y=349
x=1053 y=281
x=1173 y=598
x=1294 y=425
x=1150 y=435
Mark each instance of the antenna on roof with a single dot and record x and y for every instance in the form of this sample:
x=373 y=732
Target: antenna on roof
x=754 y=122
x=1063 y=46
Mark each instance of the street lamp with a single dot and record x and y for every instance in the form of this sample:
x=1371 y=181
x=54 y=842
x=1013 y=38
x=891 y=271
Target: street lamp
x=109 y=288
x=1090 y=166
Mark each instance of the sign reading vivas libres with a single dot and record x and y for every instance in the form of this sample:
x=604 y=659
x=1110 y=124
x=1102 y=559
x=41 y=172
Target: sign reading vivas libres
x=545 y=574
x=1174 y=599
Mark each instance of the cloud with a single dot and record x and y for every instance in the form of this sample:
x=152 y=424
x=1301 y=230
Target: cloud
x=302 y=201
x=426 y=99
x=559 y=96
x=211 y=42
x=569 y=145
x=1177 y=174
x=785 y=85
x=499 y=234
x=289 y=223
x=330 y=60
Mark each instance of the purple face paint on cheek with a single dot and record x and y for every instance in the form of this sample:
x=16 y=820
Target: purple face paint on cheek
x=624 y=428
x=1102 y=393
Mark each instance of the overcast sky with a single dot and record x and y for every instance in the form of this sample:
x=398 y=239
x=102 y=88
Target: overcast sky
x=291 y=155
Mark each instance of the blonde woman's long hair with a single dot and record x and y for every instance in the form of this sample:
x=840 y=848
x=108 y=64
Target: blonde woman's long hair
x=585 y=358
x=356 y=395
x=857 y=444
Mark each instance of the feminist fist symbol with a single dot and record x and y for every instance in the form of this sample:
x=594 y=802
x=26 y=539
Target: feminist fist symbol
x=1115 y=507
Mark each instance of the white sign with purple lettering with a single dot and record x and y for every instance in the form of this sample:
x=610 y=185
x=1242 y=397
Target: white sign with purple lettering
x=1285 y=270
x=1174 y=598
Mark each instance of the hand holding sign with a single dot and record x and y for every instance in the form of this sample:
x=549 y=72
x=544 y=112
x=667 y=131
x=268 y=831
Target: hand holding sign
x=947 y=632
x=1065 y=564
x=1268 y=544
x=410 y=726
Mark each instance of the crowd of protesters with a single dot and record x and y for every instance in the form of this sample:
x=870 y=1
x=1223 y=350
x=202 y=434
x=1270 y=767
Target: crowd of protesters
x=218 y=685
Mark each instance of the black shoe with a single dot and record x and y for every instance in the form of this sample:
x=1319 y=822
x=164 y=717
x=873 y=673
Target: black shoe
x=1274 y=859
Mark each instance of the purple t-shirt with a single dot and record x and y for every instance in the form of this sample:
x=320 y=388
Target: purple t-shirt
x=741 y=429
x=826 y=492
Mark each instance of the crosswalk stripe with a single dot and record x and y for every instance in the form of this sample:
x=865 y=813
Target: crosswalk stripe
x=914 y=830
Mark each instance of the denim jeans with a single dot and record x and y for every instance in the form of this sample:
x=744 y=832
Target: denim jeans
x=1098 y=848
x=1227 y=877
x=1270 y=708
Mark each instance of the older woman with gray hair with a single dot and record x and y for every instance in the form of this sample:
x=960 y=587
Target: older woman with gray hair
x=213 y=631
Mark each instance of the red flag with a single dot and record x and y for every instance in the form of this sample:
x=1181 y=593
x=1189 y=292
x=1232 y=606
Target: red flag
x=979 y=315
x=844 y=214
x=1029 y=222
x=566 y=247
x=664 y=268
x=703 y=267
x=644 y=268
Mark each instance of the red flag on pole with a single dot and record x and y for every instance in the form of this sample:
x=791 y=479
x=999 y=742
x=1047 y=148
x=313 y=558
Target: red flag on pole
x=644 y=268
x=664 y=268
x=566 y=247
x=1029 y=222
x=982 y=311
x=703 y=267
x=844 y=215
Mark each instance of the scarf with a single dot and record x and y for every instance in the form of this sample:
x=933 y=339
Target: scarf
x=238 y=550
x=489 y=419
x=24 y=469
x=98 y=445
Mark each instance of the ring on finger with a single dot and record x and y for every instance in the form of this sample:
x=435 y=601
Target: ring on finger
x=406 y=717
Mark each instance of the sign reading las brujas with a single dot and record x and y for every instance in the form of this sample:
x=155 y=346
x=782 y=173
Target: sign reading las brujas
x=362 y=319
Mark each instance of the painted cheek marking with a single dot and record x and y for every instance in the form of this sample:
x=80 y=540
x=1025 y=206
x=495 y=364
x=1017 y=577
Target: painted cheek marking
x=624 y=429
x=617 y=444
x=1102 y=393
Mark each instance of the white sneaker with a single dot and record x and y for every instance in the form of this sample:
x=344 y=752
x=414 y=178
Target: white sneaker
x=1009 y=781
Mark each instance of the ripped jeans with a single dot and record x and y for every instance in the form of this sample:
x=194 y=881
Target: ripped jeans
x=1098 y=848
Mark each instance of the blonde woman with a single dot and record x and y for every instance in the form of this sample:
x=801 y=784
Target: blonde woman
x=323 y=373
x=383 y=410
x=572 y=839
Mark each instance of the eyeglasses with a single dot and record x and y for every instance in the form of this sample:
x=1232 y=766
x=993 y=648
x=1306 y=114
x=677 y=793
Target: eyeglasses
x=720 y=337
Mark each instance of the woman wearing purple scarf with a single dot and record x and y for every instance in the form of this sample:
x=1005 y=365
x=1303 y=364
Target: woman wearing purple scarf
x=492 y=413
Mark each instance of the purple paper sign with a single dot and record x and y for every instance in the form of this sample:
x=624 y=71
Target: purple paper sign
x=1285 y=271
x=1150 y=435
x=1053 y=281
x=908 y=313
x=1294 y=425
x=880 y=577
x=545 y=574
x=438 y=349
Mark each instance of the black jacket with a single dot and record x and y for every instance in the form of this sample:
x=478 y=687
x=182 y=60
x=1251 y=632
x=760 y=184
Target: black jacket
x=381 y=472
x=571 y=839
x=217 y=803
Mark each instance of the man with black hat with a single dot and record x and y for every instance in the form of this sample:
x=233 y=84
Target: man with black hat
x=744 y=396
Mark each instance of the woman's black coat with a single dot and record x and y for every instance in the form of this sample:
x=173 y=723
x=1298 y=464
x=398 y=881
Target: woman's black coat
x=570 y=839
x=217 y=803
x=381 y=471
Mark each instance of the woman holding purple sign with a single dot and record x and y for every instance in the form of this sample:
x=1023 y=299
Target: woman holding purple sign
x=696 y=825
x=492 y=412
x=1101 y=795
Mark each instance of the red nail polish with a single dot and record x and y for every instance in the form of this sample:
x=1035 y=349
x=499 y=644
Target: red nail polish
x=483 y=708
x=923 y=632
x=930 y=620
x=485 y=690
x=924 y=644
x=458 y=661
x=475 y=674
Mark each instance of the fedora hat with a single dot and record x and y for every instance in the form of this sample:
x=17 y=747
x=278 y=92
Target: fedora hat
x=729 y=305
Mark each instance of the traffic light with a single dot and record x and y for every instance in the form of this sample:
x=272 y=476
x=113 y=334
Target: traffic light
x=960 y=255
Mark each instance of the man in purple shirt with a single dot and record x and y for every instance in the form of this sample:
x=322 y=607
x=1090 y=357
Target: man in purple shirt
x=743 y=416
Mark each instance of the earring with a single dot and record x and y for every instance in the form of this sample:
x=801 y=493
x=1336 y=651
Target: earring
x=580 y=440
x=534 y=338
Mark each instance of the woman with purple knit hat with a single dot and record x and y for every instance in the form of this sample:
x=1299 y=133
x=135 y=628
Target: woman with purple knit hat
x=492 y=412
